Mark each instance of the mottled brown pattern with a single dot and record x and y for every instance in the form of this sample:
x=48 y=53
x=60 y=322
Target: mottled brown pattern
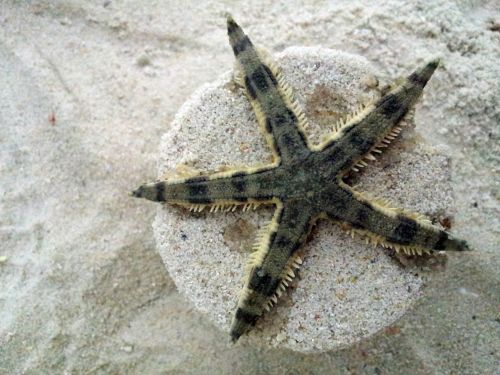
x=305 y=183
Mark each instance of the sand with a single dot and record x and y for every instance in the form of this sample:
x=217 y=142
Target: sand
x=83 y=287
x=346 y=290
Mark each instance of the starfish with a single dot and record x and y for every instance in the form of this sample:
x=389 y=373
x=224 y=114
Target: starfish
x=304 y=182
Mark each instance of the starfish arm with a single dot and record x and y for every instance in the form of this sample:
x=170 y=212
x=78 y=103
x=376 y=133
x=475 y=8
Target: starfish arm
x=390 y=227
x=377 y=123
x=278 y=113
x=271 y=265
x=223 y=189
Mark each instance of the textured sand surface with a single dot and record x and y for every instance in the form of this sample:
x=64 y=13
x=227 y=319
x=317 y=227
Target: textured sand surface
x=348 y=290
x=83 y=289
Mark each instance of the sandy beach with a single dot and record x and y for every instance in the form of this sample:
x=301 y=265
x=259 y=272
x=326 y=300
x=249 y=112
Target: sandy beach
x=88 y=90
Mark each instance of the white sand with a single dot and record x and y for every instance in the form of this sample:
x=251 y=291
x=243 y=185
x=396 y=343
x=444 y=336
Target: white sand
x=347 y=290
x=83 y=289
